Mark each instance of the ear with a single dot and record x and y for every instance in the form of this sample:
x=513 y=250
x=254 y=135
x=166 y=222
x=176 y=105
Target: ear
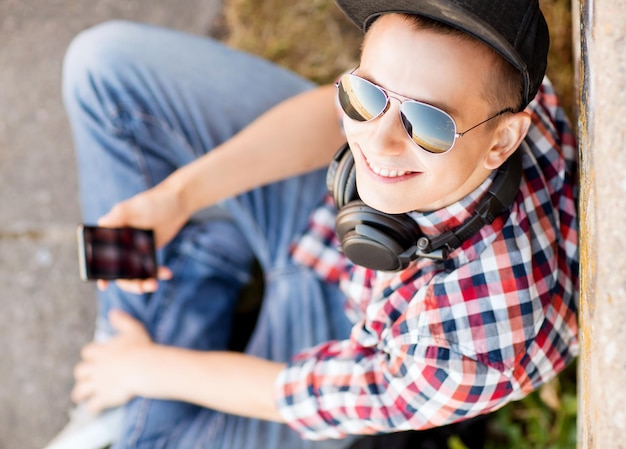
x=507 y=138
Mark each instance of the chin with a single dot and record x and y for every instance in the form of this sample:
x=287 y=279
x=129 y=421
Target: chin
x=387 y=207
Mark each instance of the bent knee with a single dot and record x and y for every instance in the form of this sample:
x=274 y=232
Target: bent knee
x=102 y=45
x=100 y=50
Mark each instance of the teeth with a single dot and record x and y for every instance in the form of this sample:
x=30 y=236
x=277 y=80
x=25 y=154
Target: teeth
x=385 y=172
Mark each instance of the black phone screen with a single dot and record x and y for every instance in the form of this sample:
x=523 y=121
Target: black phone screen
x=116 y=253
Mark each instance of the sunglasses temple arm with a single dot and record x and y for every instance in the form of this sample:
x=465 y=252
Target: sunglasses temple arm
x=504 y=111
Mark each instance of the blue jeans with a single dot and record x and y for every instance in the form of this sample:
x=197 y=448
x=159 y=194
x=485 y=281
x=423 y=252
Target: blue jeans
x=142 y=102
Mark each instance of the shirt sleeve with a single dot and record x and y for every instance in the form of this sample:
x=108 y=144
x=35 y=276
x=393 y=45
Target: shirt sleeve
x=411 y=364
x=340 y=388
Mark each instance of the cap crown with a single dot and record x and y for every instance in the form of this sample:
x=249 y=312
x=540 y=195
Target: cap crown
x=514 y=28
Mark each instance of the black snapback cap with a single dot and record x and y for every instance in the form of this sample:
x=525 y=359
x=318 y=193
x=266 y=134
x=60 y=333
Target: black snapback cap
x=516 y=29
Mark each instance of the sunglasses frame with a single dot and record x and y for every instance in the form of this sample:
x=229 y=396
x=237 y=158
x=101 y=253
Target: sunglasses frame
x=386 y=93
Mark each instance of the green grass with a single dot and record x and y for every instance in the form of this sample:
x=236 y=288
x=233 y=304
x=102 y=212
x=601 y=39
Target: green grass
x=313 y=38
x=545 y=419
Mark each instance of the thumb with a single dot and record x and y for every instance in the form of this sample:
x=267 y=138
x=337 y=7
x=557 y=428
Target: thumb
x=113 y=218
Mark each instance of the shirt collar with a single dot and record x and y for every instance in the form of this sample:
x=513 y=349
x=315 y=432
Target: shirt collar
x=452 y=216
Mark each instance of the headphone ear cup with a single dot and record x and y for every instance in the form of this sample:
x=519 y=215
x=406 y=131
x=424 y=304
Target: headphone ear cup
x=341 y=177
x=374 y=239
x=368 y=237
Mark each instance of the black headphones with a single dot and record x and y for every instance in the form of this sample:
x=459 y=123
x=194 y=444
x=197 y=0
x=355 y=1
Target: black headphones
x=389 y=242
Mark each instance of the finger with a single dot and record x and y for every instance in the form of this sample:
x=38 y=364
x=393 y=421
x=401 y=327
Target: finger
x=82 y=391
x=149 y=285
x=102 y=285
x=137 y=286
x=164 y=273
x=89 y=351
x=112 y=218
x=82 y=371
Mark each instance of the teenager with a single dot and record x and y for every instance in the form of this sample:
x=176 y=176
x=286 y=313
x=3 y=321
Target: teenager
x=450 y=289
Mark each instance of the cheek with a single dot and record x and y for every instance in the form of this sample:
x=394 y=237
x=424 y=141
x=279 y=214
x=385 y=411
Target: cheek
x=352 y=128
x=451 y=172
x=348 y=126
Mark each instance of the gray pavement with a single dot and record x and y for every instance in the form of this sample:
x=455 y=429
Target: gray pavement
x=47 y=313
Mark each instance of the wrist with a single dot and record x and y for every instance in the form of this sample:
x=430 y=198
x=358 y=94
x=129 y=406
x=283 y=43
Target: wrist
x=176 y=191
x=144 y=378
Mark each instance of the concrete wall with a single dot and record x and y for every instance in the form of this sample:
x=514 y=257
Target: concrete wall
x=47 y=313
x=602 y=81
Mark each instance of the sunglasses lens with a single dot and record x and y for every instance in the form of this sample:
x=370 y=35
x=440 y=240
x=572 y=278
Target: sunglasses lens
x=429 y=127
x=359 y=99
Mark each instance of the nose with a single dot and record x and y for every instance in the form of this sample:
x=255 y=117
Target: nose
x=388 y=134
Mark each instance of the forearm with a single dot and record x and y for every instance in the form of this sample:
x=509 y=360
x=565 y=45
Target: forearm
x=230 y=382
x=299 y=135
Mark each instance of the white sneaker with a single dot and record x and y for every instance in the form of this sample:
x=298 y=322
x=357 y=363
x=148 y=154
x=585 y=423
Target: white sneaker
x=86 y=431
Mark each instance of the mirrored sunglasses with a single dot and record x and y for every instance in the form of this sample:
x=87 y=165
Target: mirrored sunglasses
x=431 y=128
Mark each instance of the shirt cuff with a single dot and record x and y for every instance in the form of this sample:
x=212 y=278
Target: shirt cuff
x=298 y=405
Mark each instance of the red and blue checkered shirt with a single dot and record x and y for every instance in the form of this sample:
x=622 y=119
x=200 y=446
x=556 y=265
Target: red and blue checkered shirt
x=444 y=341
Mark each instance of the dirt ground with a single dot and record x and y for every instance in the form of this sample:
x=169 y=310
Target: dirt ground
x=315 y=39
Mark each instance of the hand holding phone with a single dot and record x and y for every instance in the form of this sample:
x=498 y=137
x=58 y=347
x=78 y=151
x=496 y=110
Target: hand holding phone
x=116 y=253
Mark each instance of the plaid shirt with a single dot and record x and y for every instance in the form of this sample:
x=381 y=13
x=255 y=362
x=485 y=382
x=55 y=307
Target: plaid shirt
x=443 y=341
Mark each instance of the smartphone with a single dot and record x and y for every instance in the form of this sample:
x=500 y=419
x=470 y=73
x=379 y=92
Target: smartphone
x=116 y=253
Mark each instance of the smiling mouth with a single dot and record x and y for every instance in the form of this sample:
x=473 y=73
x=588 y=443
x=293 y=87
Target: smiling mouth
x=387 y=173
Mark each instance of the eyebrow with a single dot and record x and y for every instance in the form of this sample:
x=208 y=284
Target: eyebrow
x=443 y=106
